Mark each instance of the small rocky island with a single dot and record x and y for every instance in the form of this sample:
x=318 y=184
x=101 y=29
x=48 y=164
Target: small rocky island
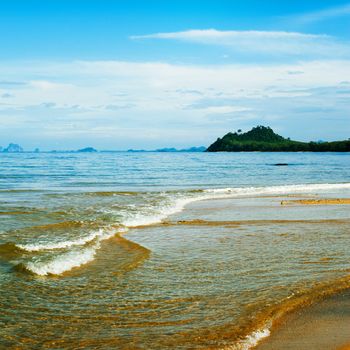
x=13 y=148
x=87 y=150
x=264 y=139
x=172 y=150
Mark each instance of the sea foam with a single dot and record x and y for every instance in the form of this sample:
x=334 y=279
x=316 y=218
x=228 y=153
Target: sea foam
x=99 y=235
x=173 y=204
x=178 y=203
x=58 y=264
x=283 y=189
x=159 y=213
x=251 y=340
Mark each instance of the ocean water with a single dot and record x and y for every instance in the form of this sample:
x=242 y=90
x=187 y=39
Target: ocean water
x=164 y=250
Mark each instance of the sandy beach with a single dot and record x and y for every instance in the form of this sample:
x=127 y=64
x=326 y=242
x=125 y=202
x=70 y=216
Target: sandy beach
x=319 y=317
x=322 y=201
x=322 y=326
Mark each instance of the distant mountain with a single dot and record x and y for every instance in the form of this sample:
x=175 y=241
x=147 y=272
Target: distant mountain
x=167 y=150
x=172 y=150
x=194 y=149
x=191 y=149
x=13 y=148
x=87 y=150
x=137 y=150
x=264 y=139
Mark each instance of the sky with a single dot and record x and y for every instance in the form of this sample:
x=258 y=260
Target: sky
x=150 y=74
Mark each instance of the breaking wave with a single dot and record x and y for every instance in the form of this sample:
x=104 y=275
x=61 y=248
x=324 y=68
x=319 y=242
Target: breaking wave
x=57 y=264
x=179 y=201
x=168 y=204
x=285 y=189
x=101 y=234
x=251 y=340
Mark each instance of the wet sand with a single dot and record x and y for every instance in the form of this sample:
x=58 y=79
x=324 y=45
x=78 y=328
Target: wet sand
x=323 y=201
x=324 y=325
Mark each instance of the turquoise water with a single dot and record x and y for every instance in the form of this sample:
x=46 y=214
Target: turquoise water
x=53 y=201
x=124 y=171
x=83 y=250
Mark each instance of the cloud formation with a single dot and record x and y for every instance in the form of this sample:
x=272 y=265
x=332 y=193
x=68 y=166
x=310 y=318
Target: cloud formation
x=263 y=42
x=122 y=104
x=323 y=15
x=211 y=35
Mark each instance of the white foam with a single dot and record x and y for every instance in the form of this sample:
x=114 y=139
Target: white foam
x=158 y=213
x=63 y=262
x=100 y=235
x=284 y=189
x=58 y=264
x=164 y=210
x=152 y=215
x=251 y=340
x=254 y=338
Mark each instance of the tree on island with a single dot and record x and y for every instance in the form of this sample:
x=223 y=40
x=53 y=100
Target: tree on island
x=264 y=139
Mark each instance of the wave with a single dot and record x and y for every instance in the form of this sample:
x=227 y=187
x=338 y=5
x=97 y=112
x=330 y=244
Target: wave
x=283 y=189
x=167 y=204
x=179 y=201
x=254 y=338
x=158 y=213
x=101 y=234
x=58 y=264
x=50 y=260
x=251 y=340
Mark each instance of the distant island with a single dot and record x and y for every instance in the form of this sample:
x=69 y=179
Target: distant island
x=87 y=150
x=258 y=139
x=264 y=139
x=13 y=148
x=172 y=150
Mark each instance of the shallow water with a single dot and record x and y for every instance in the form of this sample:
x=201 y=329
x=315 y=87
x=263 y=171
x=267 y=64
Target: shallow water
x=163 y=251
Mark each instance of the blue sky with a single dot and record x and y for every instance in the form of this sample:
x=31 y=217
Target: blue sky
x=148 y=74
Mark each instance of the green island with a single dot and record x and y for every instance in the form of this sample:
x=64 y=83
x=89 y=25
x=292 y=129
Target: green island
x=264 y=139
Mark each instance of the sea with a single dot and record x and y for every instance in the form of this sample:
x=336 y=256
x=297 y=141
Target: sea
x=154 y=250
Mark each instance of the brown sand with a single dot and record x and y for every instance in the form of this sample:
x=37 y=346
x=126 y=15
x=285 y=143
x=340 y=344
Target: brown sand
x=322 y=326
x=324 y=201
x=237 y=223
x=346 y=347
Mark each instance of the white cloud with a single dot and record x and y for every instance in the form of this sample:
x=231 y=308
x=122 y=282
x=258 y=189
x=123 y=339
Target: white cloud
x=212 y=35
x=47 y=85
x=264 y=42
x=168 y=100
x=323 y=15
x=228 y=109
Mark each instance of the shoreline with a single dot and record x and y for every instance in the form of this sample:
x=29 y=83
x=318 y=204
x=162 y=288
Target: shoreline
x=258 y=333
x=321 y=325
x=237 y=226
x=270 y=326
x=322 y=201
x=255 y=332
